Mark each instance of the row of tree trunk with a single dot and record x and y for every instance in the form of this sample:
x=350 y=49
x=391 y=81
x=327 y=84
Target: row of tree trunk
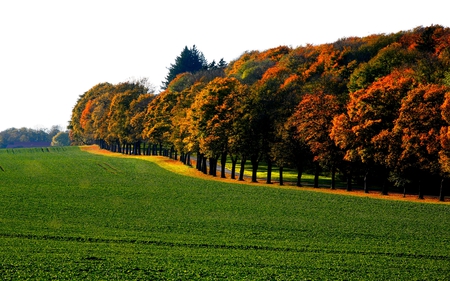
x=209 y=165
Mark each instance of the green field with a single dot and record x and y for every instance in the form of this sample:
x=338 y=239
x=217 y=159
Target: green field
x=66 y=214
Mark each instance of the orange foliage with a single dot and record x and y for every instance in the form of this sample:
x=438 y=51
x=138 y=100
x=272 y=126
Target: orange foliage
x=274 y=54
x=419 y=125
x=313 y=120
x=235 y=66
x=276 y=72
x=291 y=80
x=86 y=114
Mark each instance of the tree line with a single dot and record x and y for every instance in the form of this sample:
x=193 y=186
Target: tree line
x=55 y=136
x=372 y=110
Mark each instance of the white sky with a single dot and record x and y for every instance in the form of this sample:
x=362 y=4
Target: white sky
x=51 y=52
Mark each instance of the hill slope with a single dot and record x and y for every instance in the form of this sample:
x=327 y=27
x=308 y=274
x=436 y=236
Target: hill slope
x=68 y=214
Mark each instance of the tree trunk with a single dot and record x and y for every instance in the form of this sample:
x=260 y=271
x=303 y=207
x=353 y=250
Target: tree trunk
x=366 y=188
x=420 y=190
x=299 y=176
x=349 y=181
x=188 y=159
x=269 y=171
x=384 y=187
x=281 y=175
x=241 y=171
x=316 y=176
x=255 y=164
x=204 y=166
x=137 y=148
x=213 y=166
x=233 y=167
x=172 y=153
x=199 y=161
x=333 y=177
x=223 y=162
x=441 y=191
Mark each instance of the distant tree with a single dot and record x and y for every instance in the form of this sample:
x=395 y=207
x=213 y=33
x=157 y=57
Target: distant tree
x=53 y=131
x=222 y=63
x=190 y=60
x=23 y=134
x=61 y=139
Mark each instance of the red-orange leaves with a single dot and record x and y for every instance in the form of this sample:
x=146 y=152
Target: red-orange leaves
x=313 y=120
x=275 y=54
x=362 y=131
x=419 y=125
x=86 y=115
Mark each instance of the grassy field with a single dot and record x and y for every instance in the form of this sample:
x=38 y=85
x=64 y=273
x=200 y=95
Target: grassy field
x=66 y=214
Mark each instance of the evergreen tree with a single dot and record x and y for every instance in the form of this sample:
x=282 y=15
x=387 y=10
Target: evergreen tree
x=190 y=60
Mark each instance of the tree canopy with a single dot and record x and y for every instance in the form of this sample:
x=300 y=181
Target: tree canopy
x=190 y=60
x=370 y=109
x=30 y=137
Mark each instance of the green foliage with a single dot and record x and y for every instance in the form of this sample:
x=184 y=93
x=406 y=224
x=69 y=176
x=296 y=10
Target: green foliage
x=61 y=139
x=252 y=70
x=446 y=80
x=386 y=60
x=190 y=60
x=70 y=215
x=14 y=135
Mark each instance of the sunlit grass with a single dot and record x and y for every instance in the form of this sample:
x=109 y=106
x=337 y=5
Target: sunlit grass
x=71 y=215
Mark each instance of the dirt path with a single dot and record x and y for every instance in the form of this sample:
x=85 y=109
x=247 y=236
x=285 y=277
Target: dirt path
x=179 y=168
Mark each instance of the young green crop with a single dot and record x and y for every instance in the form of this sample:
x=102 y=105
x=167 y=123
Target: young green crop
x=67 y=214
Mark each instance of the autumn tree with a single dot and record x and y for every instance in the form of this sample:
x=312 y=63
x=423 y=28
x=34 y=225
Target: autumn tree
x=99 y=119
x=273 y=105
x=419 y=127
x=157 y=122
x=212 y=117
x=388 y=59
x=289 y=151
x=249 y=68
x=136 y=116
x=312 y=120
x=181 y=135
x=364 y=131
x=444 y=154
x=75 y=125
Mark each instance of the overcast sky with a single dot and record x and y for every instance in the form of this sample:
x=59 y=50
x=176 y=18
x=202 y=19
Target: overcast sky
x=51 y=52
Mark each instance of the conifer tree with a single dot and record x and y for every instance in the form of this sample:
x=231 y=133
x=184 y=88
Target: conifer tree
x=190 y=60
